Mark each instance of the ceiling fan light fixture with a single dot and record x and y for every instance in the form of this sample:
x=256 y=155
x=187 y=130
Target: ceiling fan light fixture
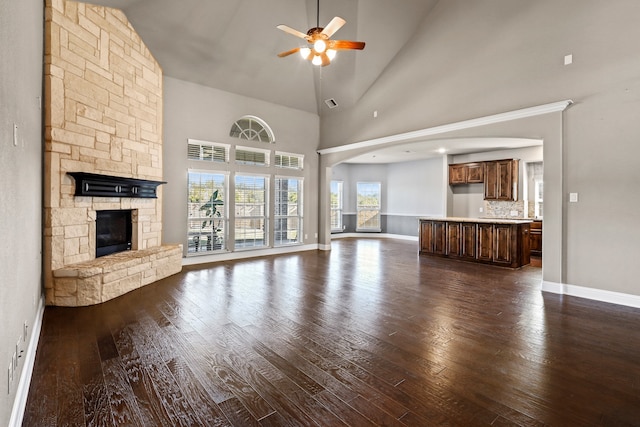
x=321 y=49
x=319 y=45
x=305 y=52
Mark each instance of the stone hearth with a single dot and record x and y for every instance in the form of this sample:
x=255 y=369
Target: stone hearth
x=103 y=115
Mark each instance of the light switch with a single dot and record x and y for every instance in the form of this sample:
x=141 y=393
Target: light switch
x=573 y=197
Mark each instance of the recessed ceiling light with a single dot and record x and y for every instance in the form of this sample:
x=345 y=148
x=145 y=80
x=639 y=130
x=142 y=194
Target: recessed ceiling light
x=442 y=150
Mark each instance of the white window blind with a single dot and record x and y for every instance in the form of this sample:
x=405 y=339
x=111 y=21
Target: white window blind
x=206 y=211
x=209 y=151
x=252 y=156
x=289 y=161
x=288 y=211
x=251 y=197
x=252 y=129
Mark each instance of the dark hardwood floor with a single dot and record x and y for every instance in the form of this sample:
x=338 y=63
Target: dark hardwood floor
x=366 y=334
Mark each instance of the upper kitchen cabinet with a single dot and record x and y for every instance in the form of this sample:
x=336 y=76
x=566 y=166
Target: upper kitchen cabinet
x=501 y=180
x=466 y=173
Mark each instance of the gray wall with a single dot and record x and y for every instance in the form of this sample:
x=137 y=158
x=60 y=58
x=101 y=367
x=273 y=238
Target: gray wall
x=409 y=190
x=468 y=199
x=198 y=112
x=21 y=32
x=477 y=58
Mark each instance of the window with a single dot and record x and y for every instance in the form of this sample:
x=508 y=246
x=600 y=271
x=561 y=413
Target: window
x=252 y=129
x=251 y=211
x=207 y=219
x=252 y=156
x=289 y=161
x=368 y=208
x=288 y=211
x=209 y=151
x=336 y=206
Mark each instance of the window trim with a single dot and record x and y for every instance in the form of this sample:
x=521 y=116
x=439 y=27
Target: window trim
x=202 y=143
x=224 y=217
x=359 y=208
x=340 y=208
x=300 y=158
x=299 y=217
x=266 y=218
x=266 y=152
x=270 y=136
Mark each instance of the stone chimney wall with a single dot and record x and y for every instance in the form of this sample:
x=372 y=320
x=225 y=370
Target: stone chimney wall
x=103 y=114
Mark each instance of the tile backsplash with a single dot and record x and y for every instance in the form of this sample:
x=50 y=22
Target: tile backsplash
x=502 y=209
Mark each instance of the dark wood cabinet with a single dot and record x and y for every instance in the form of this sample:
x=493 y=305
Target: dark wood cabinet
x=426 y=239
x=485 y=242
x=433 y=237
x=466 y=173
x=496 y=242
x=453 y=239
x=475 y=173
x=502 y=244
x=457 y=174
x=501 y=180
x=439 y=236
x=469 y=239
x=535 y=238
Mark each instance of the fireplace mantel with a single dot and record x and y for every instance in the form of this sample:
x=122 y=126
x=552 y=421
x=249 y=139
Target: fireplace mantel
x=97 y=185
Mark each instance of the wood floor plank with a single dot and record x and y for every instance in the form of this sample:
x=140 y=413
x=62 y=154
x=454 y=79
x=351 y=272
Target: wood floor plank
x=366 y=334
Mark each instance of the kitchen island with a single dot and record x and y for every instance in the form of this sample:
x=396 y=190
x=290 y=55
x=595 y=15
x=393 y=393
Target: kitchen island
x=497 y=241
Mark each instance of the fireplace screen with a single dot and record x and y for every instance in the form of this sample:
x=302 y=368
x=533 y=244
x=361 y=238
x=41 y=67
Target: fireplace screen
x=113 y=232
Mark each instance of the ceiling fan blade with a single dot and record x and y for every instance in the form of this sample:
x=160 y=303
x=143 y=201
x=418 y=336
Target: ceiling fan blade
x=288 y=52
x=291 y=31
x=333 y=26
x=325 y=59
x=345 y=44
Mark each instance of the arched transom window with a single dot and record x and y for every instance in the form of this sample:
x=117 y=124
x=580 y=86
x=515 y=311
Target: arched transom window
x=252 y=128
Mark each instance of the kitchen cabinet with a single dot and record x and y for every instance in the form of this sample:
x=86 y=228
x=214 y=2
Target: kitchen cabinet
x=497 y=242
x=485 y=242
x=432 y=237
x=466 y=173
x=453 y=239
x=535 y=238
x=468 y=240
x=501 y=180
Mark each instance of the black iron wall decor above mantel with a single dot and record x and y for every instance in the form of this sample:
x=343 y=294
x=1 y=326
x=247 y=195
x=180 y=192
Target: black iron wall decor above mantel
x=97 y=185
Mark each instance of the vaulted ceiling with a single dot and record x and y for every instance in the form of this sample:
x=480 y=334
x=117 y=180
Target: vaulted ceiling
x=232 y=45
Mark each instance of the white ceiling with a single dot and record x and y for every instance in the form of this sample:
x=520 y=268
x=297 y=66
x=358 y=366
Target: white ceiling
x=420 y=150
x=232 y=45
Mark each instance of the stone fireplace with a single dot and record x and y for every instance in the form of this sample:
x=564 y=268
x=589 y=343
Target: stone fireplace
x=103 y=118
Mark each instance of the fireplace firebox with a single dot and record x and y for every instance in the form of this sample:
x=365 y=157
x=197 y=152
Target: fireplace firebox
x=113 y=231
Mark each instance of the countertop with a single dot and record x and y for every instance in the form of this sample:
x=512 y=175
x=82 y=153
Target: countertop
x=480 y=220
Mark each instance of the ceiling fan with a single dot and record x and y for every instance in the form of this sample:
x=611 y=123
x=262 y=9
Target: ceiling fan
x=321 y=49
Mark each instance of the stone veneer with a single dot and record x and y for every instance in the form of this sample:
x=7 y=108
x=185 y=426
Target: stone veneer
x=103 y=114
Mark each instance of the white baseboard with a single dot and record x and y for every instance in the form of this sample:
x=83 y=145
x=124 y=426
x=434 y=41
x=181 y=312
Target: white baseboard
x=22 y=392
x=374 y=236
x=592 y=293
x=245 y=254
